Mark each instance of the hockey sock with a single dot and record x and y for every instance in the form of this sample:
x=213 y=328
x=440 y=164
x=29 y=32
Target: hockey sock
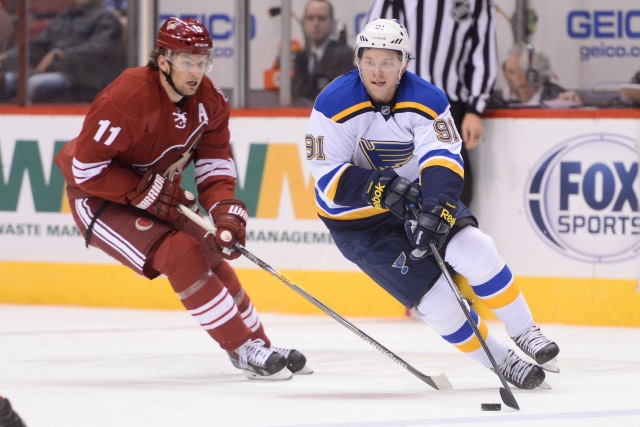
x=474 y=255
x=440 y=309
x=250 y=315
x=203 y=295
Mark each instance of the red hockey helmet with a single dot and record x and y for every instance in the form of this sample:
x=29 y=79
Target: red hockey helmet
x=184 y=35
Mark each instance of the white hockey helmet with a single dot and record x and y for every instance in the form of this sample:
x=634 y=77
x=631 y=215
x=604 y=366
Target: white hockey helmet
x=385 y=34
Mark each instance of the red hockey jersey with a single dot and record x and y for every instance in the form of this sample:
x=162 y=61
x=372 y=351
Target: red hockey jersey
x=132 y=126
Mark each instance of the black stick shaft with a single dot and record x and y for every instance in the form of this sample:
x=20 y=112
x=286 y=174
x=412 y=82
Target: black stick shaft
x=439 y=382
x=507 y=395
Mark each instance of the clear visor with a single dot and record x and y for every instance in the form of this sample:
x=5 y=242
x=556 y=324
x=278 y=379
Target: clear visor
x=386 y=65
x=198 y=64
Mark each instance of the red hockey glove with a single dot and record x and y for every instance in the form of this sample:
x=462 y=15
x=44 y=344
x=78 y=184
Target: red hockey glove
x=161 y=197
x=230 y=217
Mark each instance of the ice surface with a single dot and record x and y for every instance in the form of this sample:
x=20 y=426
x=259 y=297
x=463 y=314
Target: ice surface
x=71 y=366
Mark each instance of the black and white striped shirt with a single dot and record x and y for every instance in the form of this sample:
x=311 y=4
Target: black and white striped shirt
x=454 y=42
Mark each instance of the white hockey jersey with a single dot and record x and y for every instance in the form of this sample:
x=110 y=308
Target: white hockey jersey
x=348 y=136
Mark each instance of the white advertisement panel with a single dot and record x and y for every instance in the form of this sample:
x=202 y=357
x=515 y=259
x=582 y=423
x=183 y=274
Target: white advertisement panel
x=560 y=197
x=273 y=179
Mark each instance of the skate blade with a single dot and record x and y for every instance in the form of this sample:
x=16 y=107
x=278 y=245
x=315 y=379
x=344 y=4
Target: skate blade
x=282 y=375
x=543 y=386
x=304 y=371
x=551 y=366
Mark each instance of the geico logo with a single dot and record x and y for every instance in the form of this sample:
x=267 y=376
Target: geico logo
x=604 y=24
x=219 y=25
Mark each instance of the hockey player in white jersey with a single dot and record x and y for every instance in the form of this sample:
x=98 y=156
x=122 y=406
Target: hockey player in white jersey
x=385 y=155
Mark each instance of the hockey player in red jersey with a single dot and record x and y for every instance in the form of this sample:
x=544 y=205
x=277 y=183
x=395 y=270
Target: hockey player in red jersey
x=123 y=175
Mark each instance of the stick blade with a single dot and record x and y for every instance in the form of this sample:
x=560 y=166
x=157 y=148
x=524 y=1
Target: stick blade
x=439 y=382
x=508 y=398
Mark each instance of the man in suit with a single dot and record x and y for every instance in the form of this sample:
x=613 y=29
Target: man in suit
x=323 y=58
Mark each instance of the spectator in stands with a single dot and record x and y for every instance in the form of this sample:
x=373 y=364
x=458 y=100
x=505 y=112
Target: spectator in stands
x=73 y=59
x=6 y=28
x=528 y=73
x=323 y=58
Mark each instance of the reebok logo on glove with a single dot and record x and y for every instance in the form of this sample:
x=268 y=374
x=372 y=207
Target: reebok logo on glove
x=447 y=216
x=377 y=195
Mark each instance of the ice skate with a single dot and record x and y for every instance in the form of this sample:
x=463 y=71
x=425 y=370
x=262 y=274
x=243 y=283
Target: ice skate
x=296 y=361
x=521 y=373
x=8 y=417
x=540 y=348
x=260 y=363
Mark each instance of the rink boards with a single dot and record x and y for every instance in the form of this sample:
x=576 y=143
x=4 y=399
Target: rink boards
x=558 y=193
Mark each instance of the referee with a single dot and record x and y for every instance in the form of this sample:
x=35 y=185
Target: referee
x=454 y=42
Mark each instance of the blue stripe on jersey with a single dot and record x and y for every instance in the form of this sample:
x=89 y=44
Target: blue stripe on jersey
x=326 y=179
x=414 y=107
x=496 y=284
x=330 y=210
x=464 y=332
x=444 y=158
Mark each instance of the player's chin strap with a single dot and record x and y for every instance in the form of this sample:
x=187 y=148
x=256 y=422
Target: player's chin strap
x=170 y=81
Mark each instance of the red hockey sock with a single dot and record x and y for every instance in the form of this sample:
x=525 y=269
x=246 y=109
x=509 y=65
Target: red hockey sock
x=250 y=315
x=203 y=295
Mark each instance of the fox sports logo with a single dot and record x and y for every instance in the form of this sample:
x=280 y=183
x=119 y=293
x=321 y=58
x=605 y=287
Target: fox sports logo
x=582 y=198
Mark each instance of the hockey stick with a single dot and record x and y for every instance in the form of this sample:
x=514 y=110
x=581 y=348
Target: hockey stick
x=505 y=392
x=439 y=382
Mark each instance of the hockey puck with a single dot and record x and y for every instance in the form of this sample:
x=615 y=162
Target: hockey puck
x=490 y=406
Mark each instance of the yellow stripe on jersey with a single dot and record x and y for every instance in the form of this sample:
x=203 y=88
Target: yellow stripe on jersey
x=504 y=298
x=473 y=343
x=364 y=212
x=445 y=163
x=344 y=113
x=332 y=188
x=416 y=106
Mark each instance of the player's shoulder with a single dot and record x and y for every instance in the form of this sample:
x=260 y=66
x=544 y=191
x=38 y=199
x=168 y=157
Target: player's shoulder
x=136 y=93
x=209 y=92
x=344 y=98
x=419 y=96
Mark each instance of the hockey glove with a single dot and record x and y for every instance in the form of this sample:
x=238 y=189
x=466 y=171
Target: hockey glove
x=386 y=189
x=230 y=217
x=433 y=222
x=161 y=197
